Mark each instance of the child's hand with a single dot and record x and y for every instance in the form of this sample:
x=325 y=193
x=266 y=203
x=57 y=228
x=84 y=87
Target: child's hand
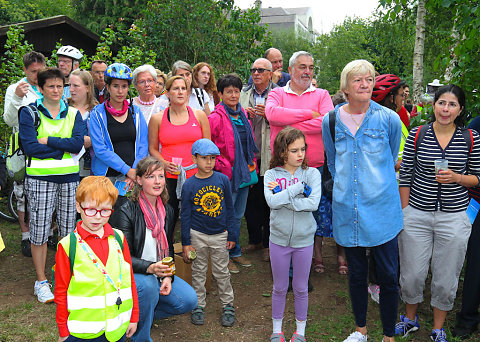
x=230 y=244
x=132 y=327
x=166 y=286
x=61 y=339
x=186 y=253
x=159 y=269
x=272 y=185
x=307 y=190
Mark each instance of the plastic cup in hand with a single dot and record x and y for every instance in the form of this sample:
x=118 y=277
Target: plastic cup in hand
x=259 y=101
x=441 y=165
x=177 y=161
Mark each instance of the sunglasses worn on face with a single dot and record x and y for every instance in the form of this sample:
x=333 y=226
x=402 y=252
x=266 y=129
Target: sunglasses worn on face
x=259 y=70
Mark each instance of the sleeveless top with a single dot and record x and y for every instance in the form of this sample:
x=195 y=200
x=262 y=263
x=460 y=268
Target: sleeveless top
x=177 y=140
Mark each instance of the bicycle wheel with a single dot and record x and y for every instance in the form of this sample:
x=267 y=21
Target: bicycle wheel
x=6 y=203
x=12 y=204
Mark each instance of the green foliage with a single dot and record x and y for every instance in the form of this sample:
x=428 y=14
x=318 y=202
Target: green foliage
x=334 y=50
x=11 y=68
x=96 y=15
x=134 y=51
x=204 y=30
x=289 y=42
x=14 y=11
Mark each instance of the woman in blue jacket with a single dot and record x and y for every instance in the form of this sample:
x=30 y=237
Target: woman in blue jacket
x=118 y=130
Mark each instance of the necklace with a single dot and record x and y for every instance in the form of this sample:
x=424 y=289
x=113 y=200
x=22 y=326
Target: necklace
x=148 y=103
x=356 y=123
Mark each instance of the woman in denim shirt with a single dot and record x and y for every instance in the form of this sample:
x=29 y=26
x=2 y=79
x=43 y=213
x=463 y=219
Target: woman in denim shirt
x=366 y=201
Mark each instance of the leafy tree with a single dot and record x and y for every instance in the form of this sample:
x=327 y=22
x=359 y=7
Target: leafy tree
x=204 y=30
x=334 y=50
x=11 y=69
x=96 y=15
x=288 y=42
x=15 y=11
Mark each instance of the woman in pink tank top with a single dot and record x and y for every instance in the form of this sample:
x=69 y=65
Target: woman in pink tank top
x=171 y=134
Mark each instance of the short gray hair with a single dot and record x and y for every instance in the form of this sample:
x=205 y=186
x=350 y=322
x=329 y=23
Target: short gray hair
x=181 y=65
x=144 y=68
x=356 y=67
x=269 y=64
x=297 y=54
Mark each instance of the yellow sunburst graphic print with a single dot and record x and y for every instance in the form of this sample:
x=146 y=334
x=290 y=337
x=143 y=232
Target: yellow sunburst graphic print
x=210 y=202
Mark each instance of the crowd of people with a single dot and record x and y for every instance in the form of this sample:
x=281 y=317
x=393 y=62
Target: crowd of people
x=298 y=164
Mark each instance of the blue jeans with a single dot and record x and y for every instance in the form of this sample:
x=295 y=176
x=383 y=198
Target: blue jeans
x=239 y=204
x=101 y=338
x=182 y=299
x=385 y=258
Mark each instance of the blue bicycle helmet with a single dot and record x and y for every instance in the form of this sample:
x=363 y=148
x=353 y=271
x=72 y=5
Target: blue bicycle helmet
x=119 y=71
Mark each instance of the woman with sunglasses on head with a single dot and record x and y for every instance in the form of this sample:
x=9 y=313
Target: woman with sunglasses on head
x=145 y=81
x=118 y=130
x=82 y=97
x=148 y=224
x=175 y=129
x=441 y=161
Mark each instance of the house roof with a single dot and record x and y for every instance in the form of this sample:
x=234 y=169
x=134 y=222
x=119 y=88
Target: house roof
x=45 y=33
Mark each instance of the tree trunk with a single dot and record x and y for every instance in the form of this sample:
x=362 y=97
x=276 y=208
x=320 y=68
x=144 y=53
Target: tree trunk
x=418 y=52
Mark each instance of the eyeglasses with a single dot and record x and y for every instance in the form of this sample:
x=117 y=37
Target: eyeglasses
x=259 y=70
x=90 y=212
x=143 y=82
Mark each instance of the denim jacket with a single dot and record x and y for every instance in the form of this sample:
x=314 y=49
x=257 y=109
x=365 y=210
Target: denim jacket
x=366 y=201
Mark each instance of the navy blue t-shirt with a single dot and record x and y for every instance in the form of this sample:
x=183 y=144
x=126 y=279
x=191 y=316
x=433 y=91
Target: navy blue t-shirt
x=207 y=207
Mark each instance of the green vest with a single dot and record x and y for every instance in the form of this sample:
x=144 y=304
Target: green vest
x=61 y=128
x=92 y=299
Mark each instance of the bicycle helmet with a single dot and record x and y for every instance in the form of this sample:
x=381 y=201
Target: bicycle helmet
x=119 y=71
x=70 y=51
x=384 y=84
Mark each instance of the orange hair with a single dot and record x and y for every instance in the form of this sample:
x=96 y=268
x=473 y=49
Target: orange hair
x=98 y=189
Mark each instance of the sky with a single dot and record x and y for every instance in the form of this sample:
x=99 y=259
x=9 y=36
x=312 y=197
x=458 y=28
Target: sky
x=326 y=13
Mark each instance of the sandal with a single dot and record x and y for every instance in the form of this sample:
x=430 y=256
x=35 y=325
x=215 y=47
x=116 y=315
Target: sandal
x=318 y=266
x=342 y=268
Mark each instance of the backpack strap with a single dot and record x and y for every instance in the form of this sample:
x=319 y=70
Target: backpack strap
x=468 y=137
x=331 y=124
x=422 y=130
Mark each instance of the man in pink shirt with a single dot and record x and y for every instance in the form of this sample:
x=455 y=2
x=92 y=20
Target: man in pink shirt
x=300 y=105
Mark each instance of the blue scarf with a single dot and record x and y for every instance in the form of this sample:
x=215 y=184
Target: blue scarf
x=240 y=172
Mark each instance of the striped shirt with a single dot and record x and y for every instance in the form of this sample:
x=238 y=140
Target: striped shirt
x=425 y=192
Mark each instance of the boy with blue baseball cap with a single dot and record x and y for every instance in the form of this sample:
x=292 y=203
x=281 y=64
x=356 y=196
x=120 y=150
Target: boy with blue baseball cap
x=207 y=229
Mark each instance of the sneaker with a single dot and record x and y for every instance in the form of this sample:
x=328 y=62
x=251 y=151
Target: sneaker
x=228 y=315
x=374 y=291
x=356 y=336
x=297 y=338
x=242 y=261
x=406 y=326
x=43 y=292
x=232 y=267
x=26 y=248
x=438 y=335
x=277 y=337
x=198 y=316
x=52 y=242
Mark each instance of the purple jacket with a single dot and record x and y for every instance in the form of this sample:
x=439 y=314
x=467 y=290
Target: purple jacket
x=222 y=136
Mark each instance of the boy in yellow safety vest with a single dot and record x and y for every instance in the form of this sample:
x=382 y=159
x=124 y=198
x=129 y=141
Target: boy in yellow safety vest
x=95 y=289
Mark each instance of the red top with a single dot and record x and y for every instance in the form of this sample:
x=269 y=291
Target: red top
x=404 y=116
x=177 y=140
x=62 y=273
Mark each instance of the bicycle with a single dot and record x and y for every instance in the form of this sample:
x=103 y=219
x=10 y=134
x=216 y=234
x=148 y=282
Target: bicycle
x=7 y=203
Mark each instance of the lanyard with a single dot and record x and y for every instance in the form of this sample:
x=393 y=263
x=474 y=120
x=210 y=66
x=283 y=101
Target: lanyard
x=98 y=264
